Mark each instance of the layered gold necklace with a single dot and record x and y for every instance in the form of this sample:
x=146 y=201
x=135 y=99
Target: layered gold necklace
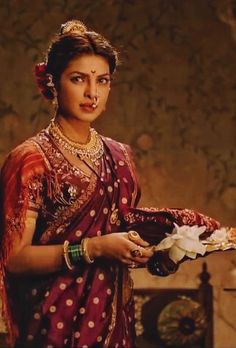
x=92 y=150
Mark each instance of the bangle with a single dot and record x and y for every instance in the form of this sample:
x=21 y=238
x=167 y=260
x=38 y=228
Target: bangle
x=85 y=253
x=75 y=253
x=66 y=255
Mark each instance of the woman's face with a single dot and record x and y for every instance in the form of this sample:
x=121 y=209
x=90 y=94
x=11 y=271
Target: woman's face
x=84 y=88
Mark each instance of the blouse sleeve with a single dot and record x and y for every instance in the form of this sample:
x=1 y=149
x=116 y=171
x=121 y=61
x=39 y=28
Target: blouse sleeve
x=21 y=187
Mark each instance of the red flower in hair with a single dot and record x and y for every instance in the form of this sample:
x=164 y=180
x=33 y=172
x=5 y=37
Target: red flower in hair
x=40 y=69
x=44 y=80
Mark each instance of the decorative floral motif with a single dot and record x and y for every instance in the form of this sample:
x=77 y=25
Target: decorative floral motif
x=182 y=323
x=73 y=191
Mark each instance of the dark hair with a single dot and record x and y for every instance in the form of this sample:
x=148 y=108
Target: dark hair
x=74 y=40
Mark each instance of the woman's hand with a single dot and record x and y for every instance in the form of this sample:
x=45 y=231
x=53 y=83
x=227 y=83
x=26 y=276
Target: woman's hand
x=119 y=246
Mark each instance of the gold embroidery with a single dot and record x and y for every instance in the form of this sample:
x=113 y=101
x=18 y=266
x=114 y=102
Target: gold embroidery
x=53 y=158
x=68 y=213
x=127 y=286
x=114 y=310
x=41 y=152
x=114 y=217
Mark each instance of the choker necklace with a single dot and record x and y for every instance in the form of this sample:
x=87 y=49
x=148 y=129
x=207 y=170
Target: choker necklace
x=92 y=150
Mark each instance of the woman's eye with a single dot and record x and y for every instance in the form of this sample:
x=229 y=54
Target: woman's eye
x=77 y=79
x=104 y=80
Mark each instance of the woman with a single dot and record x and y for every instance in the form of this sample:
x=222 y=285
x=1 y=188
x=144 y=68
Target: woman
x=66 y=195
x=65 y=278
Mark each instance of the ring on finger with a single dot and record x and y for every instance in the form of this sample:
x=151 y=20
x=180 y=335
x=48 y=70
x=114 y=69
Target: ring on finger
x=136 y=253
x=133 y=236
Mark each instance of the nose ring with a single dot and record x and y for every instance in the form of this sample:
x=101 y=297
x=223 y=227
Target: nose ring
x=95 y=102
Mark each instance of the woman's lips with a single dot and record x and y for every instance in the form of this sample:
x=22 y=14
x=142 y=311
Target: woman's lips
x=88 y=107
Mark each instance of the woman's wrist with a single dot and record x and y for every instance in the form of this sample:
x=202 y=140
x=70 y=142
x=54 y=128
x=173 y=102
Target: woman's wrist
x=87 y=251
x=84 y=246
x=94 y=247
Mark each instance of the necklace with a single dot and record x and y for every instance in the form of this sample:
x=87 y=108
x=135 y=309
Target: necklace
x=92 y=150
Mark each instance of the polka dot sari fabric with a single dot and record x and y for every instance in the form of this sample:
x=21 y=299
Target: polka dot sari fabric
x=83 y=307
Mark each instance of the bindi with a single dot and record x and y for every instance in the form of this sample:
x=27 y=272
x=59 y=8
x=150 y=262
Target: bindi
x=93 y=71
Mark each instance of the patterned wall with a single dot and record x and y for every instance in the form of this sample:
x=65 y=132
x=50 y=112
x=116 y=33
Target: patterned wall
x=173 y=98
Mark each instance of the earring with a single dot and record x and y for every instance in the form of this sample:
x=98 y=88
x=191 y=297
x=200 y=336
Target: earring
x=55 y=102
x=52 y=88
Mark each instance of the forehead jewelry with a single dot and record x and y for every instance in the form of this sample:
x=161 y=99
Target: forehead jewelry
x=93 y=71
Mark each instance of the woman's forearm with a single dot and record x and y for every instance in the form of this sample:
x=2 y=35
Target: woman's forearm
x=45 y=259
x=32 y=259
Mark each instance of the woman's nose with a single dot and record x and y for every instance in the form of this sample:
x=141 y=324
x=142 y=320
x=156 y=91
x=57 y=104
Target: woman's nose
x=91 y=90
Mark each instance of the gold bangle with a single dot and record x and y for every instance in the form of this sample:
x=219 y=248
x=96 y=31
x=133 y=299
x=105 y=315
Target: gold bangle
x=66 y=255
x=86 y=256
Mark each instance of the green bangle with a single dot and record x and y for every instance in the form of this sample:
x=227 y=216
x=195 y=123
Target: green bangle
x=75 y=253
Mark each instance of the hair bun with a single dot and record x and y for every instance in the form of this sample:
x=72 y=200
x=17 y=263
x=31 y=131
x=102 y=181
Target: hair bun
x=73 y=27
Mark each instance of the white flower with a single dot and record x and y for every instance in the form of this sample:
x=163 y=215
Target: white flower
x=183 y=241
x=219 y=236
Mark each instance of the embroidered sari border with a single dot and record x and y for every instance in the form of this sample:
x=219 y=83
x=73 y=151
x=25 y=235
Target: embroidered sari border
x=69 y=212
x=114 y=311
x=42 y=153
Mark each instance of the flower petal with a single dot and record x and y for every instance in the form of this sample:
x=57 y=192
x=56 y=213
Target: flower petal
x=186 y=244
x=219 y=235
x=166 y=243
x=176 y=254
x=191 y=255
x=200 y=249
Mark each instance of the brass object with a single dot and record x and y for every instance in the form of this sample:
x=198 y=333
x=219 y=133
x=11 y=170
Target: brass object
x=182 y=322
